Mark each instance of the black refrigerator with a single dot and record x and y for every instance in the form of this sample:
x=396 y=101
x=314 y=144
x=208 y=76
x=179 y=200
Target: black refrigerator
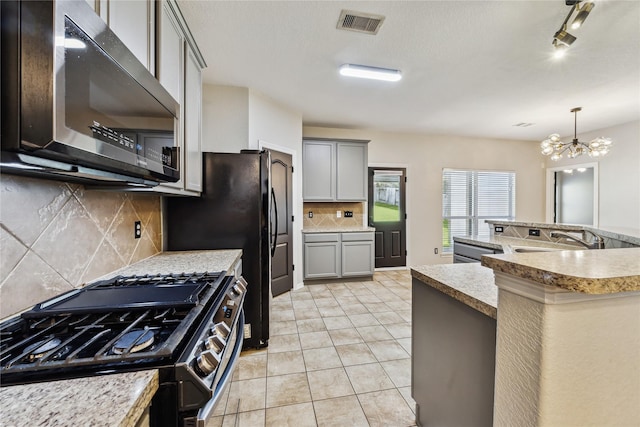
x=232 y=213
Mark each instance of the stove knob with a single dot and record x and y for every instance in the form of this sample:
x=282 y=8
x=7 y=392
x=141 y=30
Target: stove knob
x=221 y=329
x=207 y=362
x=215 y=343
x=239 y=287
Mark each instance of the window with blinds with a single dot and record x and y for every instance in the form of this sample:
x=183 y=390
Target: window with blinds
x=470 y=197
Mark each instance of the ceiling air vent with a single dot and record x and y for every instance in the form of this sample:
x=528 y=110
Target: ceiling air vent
x=360 y=22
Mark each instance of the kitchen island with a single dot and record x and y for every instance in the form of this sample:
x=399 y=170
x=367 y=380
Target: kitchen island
x=567 y=339
x=107 y=400
x=453 y=344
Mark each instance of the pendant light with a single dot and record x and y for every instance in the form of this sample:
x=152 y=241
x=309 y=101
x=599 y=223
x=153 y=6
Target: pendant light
x=554 y=147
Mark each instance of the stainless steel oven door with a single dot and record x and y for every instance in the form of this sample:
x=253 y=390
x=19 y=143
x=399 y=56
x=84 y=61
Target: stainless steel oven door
x=223 y=381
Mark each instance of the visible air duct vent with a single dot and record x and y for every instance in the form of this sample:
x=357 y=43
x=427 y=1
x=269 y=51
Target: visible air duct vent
x=360 y=22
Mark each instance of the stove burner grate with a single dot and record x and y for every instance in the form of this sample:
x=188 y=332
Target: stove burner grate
x=134 y=341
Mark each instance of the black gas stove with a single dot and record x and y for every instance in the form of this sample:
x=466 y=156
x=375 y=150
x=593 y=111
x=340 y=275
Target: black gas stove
x=188 y=326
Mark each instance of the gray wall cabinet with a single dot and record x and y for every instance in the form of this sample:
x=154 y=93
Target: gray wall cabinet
x=179 y=69
x=334 y=170
x=318 y=171
x=336 y=255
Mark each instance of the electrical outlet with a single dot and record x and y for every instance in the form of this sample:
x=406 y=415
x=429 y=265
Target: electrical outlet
x=348 y=214
x=338 y=214
x=137 y=230
x=435 y=251
x=498 y=229
x=534 y=232
x=310 y=214
x=247 y=330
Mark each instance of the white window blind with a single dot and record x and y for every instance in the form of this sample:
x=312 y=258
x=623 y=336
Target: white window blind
x=470 y=197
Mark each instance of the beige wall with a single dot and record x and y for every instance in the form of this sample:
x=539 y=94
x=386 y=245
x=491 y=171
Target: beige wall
x=425 y=156
x=619 y=176
x=56 y=236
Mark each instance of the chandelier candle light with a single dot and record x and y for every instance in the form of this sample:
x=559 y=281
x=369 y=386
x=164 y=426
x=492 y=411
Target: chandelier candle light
x=552 y=146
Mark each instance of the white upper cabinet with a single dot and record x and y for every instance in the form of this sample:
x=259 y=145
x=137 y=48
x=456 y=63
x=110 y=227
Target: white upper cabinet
x=133 y=21
x=193 y=122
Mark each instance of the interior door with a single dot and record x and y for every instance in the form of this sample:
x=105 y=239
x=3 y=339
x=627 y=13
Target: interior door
x=282 y=210
x=387 y=213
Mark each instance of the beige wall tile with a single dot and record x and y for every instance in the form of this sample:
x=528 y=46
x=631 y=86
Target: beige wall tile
x=69 y=242
x=53 y=237
x=324 y=215
x=11 y=251
x=28 y=206
x=43 y=283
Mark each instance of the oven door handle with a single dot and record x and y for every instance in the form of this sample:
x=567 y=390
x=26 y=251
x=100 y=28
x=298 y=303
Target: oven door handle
x=205 y=413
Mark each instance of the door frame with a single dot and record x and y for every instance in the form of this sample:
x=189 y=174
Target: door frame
x=407 y=184
x=298 y=282
x=551 y=184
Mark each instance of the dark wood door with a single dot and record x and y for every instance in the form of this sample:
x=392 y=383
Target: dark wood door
x=282 y=210
x=387 y=213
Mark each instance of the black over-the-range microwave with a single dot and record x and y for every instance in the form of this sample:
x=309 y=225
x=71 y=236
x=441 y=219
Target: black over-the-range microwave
x=77 y=105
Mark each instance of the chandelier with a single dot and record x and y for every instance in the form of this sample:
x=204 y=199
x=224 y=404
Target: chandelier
x=552 y=146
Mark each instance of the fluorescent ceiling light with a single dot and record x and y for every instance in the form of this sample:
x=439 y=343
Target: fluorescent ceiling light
x=366 y=72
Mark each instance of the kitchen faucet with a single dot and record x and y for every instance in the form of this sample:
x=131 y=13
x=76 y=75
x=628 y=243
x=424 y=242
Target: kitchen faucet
x=597 y=243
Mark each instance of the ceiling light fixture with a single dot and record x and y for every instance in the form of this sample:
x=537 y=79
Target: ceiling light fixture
x=562 y=39
x=552 y=146
x=366 y=72
x=583 y=12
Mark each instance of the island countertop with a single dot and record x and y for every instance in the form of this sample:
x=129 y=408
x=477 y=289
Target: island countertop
x=107 y=400
x=471 y=284
x=588 y=271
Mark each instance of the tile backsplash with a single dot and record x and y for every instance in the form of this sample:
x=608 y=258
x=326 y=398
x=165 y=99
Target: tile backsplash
x=57 y=236
x=324 y=215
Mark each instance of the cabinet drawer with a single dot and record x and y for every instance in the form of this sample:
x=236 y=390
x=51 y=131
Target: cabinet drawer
x=357 y=237
x=321 y=237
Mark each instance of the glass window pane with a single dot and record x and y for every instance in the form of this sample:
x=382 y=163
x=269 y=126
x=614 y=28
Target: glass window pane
x=471 y=197
x=386 y=196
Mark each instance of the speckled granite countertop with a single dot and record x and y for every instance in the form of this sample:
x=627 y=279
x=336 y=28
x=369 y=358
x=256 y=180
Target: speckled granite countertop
x=592 y=272
x=505 y=243
x=337 y=229
x=109 y=400
x=629 y=235
x=470 y=284
x=183 y=262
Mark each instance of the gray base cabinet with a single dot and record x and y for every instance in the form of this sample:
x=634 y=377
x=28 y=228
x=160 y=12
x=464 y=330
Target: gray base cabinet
x=336 y=255
x=322 y=256
x=357 y=254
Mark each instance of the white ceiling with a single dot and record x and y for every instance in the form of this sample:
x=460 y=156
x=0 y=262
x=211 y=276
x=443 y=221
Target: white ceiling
x=469 y=67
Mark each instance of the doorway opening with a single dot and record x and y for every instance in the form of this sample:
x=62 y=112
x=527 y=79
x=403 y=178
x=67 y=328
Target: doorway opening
x=572 y=194
x=387 y=214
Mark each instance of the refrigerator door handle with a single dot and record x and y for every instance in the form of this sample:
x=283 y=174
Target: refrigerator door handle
x=275 y=231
